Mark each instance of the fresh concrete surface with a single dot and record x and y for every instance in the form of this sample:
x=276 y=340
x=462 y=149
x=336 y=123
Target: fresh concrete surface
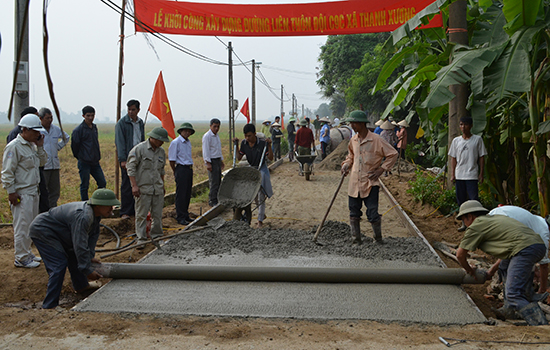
x=433 y=304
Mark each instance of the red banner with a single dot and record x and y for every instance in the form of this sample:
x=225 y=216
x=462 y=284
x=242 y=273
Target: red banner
x=322 y=18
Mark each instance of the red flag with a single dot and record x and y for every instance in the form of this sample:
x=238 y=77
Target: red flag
x=246 y=111
x=160 y=107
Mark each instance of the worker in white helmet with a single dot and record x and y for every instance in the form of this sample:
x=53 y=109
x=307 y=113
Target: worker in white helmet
x=20 y=177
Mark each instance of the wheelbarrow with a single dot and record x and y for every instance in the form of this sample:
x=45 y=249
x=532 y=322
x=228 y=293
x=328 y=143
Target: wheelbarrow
x=306 y=164
x=237 y=190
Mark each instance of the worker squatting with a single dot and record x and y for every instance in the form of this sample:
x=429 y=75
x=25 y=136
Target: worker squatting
x=283 y=24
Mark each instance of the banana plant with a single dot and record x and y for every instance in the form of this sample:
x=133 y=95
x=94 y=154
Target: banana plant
x=506 y=64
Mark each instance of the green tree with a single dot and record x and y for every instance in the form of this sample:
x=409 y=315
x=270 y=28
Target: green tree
x=323 y=110
x=340 y=57
x=362 y=81
x=507 y=67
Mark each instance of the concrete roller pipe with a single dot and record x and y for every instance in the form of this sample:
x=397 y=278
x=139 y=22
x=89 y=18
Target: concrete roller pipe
x=288 y=274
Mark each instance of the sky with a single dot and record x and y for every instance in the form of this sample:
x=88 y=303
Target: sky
x=83 y=57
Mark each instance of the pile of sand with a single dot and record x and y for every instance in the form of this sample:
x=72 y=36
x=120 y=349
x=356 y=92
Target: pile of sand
x=334 y=160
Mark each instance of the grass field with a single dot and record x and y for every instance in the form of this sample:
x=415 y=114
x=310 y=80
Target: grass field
x=70 y=180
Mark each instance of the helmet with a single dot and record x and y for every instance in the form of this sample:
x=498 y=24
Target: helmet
x=31 y=121
x=303 y=122
x=160 y=134
x=103 y=196
x=292 y=119
x=357 y=116
x=187 y=126
x=471 y=206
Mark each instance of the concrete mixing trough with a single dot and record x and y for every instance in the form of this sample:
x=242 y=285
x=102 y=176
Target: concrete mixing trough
x=433 y=304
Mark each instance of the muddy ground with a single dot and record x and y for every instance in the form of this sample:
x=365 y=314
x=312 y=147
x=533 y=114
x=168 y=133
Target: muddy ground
x=298 y=205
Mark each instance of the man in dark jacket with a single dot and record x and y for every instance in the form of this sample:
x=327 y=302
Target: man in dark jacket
x=66 y=237
x=85 y=147
x=129 y=131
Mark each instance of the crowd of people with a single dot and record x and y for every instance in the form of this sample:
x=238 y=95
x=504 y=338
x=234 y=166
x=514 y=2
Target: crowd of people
x=66 y=235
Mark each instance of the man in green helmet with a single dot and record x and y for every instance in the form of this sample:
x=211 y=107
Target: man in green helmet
x=365 y=163
x=145 y=167
x=66 y=237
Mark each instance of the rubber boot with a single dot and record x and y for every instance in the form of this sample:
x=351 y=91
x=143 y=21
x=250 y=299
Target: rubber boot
x=355 y=224
x=533 y=314
x=506 y=313
x=540 y=296
x=377 y=231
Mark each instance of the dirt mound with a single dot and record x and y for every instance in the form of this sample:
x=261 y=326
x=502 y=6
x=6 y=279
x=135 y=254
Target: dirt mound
x=281 y=243
x=334 y=160
x=404 y=166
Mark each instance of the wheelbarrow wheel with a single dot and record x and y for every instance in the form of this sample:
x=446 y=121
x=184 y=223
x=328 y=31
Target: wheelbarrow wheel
x=243 y=214
x=307 y=171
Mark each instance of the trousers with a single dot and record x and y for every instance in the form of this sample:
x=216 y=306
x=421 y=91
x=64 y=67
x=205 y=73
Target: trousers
x=127 y=202
x=184 y=186
x=54 y=186
x=85 y=170
x=23 y=214
x=465 y=190
x=146 y=203
x=214 y=180
x=517 y=273
x=371 y=202
x=56 y=264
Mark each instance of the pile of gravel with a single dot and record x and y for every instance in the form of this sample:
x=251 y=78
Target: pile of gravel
x=236 y=237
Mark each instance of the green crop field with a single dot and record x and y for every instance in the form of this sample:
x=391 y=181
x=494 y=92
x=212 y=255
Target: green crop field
x=70 y=180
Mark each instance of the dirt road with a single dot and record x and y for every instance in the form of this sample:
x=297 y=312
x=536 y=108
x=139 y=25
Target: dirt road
x=296 y=204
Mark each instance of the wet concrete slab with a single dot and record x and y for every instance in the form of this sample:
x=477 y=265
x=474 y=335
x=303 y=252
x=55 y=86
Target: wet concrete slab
x=430 y=304
x=236 y=244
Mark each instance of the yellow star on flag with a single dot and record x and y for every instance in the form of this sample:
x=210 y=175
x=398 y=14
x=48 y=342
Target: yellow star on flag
x=167 y=107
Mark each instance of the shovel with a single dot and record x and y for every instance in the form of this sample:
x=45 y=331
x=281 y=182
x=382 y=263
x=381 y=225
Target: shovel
x=328 y=210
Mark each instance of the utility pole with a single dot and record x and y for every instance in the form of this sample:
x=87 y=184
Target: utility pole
x=303 y=115
x=21 y=53
x=458 y=33
x=254 y=64
x=231 y=109
x=282 y=107
x=119 y=91
x=254 y=92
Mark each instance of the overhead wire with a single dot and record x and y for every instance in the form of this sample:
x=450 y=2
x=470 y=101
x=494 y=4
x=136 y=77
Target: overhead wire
x=260 y=77
x=162 y=37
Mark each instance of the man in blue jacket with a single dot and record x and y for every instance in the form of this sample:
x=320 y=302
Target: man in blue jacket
x=85 y=147
x=129 y=131
x=66 y=237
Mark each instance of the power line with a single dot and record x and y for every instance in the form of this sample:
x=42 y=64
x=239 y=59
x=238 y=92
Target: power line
x=162 y=37
x=288 y=70
x=260 y=77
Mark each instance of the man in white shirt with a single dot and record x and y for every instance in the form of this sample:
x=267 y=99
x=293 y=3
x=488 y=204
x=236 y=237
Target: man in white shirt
x=467 y=154
x=54 y=141
x=213 y=158
x=181 y=161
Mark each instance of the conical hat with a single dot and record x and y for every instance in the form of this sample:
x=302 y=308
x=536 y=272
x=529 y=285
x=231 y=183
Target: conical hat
x=379 y=122
x=403 y=123
x=387 y=125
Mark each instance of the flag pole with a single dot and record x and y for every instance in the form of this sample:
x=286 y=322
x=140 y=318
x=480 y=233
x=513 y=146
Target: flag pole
x=119 y=92
x=145 y=121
